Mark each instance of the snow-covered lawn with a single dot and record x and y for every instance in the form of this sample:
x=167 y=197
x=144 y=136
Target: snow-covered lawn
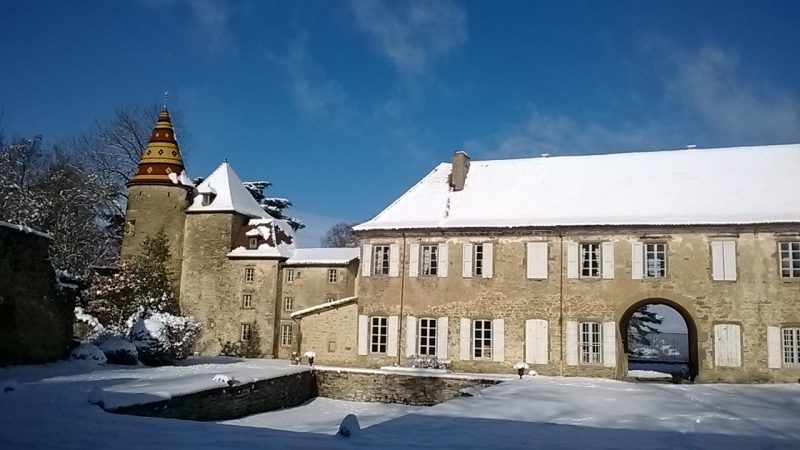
x=48 y=408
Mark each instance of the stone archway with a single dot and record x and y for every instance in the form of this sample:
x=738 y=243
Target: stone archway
x=691 y=329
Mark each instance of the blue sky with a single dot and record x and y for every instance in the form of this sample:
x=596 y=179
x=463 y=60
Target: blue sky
x=345 y=104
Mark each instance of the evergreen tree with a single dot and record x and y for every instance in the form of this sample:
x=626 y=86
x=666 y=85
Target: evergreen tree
x=642 y=323
x=340 y=235
x=274 y=206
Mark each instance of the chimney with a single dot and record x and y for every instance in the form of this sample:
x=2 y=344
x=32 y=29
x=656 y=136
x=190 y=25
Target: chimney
x=458 y=175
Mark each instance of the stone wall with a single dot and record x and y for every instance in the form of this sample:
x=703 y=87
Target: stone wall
x=392 y=388
x=227 y=403
x=330 y=334
x=35 y=318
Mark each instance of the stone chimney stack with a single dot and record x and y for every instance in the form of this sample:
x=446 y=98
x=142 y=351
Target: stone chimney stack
x=458 y=175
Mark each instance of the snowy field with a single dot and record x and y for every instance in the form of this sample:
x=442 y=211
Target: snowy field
x=48 y=408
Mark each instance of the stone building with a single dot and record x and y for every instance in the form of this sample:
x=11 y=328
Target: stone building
x=237 y=269
x=544 y=260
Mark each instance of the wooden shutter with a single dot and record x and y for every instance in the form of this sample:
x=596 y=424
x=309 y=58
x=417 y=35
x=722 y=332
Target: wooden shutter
x=717 y=264
x=394 y=260
x=609 y=344
x=537 y=260
x=774 y=355
x=488 y=260
x=572 y=260
x=443 y=261
x=366 y=260
x=465 y=339
x=391 y=346
x=466 y=261
x=498 y=340
x=572 y=343
x=413 y=260
x=729 y=260
x=607 y=250
x=441 y=337
x=363 y=335
x=727 y=345
x=411 y=336
x=637 y=260
x=536 y=341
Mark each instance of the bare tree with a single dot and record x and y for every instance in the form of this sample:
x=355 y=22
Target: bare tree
x=340 y=235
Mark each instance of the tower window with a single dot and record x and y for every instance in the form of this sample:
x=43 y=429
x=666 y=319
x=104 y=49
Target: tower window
x=252 y=242
x=207 y=198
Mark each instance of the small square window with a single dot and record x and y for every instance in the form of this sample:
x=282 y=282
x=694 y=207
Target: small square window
x=247 y=301
x=246 y=333
x=252 y=242
x=330 y=299
x=332 y=275
x=249 y=274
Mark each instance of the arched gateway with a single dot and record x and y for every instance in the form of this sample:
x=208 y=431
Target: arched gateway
x=691 y=328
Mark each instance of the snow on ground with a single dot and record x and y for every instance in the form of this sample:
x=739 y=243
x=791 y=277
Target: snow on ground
x=323 y=415
x=49 y=409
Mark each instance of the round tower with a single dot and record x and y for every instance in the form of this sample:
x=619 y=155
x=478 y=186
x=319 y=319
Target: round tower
x=158 y=195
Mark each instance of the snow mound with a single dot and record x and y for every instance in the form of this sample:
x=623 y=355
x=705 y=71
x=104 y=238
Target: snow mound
x=532 y=373
x=349 y=426
x=521 y=365
x=472 y=391
x=9 y=385
x=227 y=379
x=118 y=350
x=649 y=374
x=89 y=352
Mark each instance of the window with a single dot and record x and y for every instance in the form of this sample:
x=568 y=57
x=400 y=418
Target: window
x=380 y=260
x=590 y=343
x=330 y=299
x=249 y=274
x=288 y=303
x=590 y=260
x=378 y=334
x=791 y=347
x=130 y=228
x=289 y=275
x=427 y=337
x=252 y=242
x=790 y=259
x=482 y=339
x=655 y=260
x=331 y=346
x=247 y=301
x=207 y=198
x=286 y=335
x=332 y=275
x=247 y=332
x=430 y=259
x=477 y=260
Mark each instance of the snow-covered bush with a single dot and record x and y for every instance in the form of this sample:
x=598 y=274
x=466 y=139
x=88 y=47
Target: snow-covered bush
x=521 y=365
x=349 y=426
x=163 y=338
x=427 y=362
x=117 y=348
x=89 y=352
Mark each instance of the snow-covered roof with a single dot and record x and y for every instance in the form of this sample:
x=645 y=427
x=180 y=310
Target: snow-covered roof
x=738 y=185
x=25 y=229
x=267 y=230
x=230 y=194
x=307 y=256
x=323 y=307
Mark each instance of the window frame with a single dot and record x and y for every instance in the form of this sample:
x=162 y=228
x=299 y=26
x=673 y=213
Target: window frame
x=486 y=342
x=247 y=301
x=286 y=338
x=381 y=260
x=790 y=355
x=655 y=252
x=376 y=332
x=289 y=277
x=792 y=260
x=252 y=243
x=478 y=259
x=429 y=260
x=249 y=274
x=595 y=263
x=333 y=276
x=429 y=327
x=288 y=303
x=246 y=332
x=590 y=353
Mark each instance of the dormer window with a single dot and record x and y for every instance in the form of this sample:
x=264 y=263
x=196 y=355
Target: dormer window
x=252 y=243
x=208 y=197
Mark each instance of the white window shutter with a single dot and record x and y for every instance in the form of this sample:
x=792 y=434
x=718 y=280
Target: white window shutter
x=536 y=341
x=394 y=260
x=441 y=337
x=391 y=346
x=411 y=336
x=572 y=343
x=443 y=261
x=729 y=259
x=498 y=340
x=774 y=356
x=366 y=260
x=609 y=344
x=363 y=335
x=537 y=260
x=727 y=345
x=637 y=260
x=488 y=260
x=466 y=261
x=608 y=260
x=465 y=339
x=413 y=260
x=572 y=260
x=717 y=264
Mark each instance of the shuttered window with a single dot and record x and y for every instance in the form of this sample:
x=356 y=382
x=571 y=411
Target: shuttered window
x=481 y=339
x=427 y=336
x=590 y=343
x=429 y=260
x=790 y=259
x=791 y=347
x=380 y=259
x=378 y=334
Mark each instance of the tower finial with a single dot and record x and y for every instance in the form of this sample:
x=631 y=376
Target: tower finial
x=166 y=93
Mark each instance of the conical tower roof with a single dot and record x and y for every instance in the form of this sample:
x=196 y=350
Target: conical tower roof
x=162 y=156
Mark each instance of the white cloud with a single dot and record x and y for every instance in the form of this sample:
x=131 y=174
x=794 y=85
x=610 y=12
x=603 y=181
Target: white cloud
x=412 y=34
x=209 y=21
